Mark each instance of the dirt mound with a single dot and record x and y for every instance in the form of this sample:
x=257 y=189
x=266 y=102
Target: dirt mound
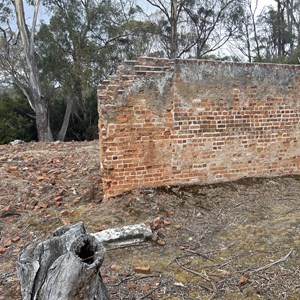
x=237 y=240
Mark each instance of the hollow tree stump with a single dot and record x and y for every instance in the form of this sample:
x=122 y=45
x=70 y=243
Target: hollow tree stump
x=64 y=267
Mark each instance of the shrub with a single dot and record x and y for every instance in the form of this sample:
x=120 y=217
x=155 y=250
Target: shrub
x=15 y=120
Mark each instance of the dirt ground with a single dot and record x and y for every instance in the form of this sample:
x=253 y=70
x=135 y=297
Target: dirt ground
x=237 y=240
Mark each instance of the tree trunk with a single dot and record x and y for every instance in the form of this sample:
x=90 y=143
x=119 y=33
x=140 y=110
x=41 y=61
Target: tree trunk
x=64 y=267
x=173 y=23
x=257 y=46
x=43 y=122
x=64 y=127
x=280 y=24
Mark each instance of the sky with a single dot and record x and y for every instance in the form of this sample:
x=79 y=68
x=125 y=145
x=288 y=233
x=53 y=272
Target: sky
x=262 y=3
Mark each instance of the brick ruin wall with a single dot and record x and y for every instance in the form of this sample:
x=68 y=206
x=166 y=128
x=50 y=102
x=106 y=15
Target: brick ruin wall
x=170 y=122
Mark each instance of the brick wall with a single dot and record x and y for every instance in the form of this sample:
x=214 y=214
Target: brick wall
x=165 y=122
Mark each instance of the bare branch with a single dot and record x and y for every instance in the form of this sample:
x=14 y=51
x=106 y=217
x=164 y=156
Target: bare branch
x=33 y=27
x=160 y=6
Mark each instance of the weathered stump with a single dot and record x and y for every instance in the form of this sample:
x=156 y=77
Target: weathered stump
x=64 y=267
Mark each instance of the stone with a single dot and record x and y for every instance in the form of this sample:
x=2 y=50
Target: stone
x=131 y=285
x=42 y=205
x=145 y=288
x=160 y=242
x=7 y=243
x=64 y=213
x=29 y=207
x=16 y=239
x=124 y=235
x=166 y=223
x=57 y=198
x=115 y=267
x=16 y=142
x=142 y=269
x=6 y=208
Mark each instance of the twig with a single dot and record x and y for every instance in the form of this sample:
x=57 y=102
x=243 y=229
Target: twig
x=130 y=278
x=9 y=213
x=198 y=274
x=280 y=260
x=289 y=211
x=190 y=230
x=87 y=258
x=223 y=264
x=148 y=276
x=140 y=244
x=25 y=229
x=149 y=293
x=179 y=257
x=199 y=254
x=123 y=280
x=229 y=246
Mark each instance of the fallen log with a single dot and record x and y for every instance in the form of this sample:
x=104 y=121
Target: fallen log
x=64 y=267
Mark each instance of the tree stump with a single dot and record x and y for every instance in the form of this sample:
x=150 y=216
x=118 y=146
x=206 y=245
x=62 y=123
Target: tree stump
x=64 y=267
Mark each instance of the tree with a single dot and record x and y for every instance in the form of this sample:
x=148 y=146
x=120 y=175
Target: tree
x=68 y=57
x=246 y=39
x=211 y=24
x=194 y=28
x=37 y=100
x=279 y=33
x=27 y=79
x=83 y=41
x=171 y=11
x=292 y=20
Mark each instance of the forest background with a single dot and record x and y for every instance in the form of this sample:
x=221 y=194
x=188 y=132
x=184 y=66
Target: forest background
x=50 y=66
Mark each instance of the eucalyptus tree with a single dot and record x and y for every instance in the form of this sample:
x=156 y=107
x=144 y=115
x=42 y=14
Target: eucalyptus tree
x=289 y=14
x=23 y=68
x=68 y=56
x=280 y=34
x=194 y=28
x=168 y=17
x=84 y=41
x=247 y=39
x=69 y=60
x=210 y=23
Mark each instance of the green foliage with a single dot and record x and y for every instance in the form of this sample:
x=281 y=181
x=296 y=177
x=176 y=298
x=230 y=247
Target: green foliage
x=73 y=63
x=80 y=127
x=294 y=58
x=15 y=122
x=5 y=11
x=85 y=128
x=83 y=43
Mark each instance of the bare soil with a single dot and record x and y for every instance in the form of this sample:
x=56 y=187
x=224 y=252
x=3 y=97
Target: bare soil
x=237 y=240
